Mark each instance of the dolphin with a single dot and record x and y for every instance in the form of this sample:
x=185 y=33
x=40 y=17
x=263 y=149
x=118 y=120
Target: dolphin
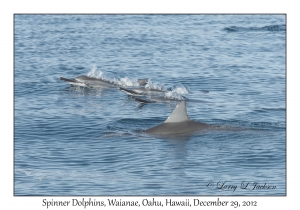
x=141 y=91
x=92 y=82
x=161 y=99
x=154 y=95
x=179 y=123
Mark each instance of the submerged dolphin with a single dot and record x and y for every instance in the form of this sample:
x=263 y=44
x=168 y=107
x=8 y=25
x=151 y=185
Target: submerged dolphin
x=92 y=82
x=141 y=91
x=179 y=122
x=156 y=96
x=161 y=99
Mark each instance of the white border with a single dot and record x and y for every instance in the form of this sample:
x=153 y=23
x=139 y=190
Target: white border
x=8 y=8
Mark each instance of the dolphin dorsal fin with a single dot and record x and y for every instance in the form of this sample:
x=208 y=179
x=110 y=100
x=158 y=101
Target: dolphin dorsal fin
x=179 y=114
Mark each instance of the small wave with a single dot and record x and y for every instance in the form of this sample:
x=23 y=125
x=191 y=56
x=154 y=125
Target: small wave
x=126 y=81
x=265 y=28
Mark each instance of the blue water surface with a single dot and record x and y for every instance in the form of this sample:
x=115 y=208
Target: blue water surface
x=80 y=141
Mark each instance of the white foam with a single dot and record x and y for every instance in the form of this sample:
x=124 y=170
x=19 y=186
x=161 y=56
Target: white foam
x=177 y=91
x=155 y=86
x=126 y=81
x=173 y=95
x=181 y=89
x=95 y=73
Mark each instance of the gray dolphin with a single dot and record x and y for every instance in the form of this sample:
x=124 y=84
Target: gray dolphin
x=154 y=95
x=179 y=122
x=141 y=91
x=92 y=82
x=162 y=99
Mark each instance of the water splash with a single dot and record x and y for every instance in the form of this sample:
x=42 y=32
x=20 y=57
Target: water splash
x=95 y=73
x=177 y=92
x=126 y=81
x=154 y=85
x=174 y=96
x=181 y=89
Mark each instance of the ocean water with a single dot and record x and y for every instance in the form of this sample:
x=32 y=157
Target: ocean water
x=79 y=141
